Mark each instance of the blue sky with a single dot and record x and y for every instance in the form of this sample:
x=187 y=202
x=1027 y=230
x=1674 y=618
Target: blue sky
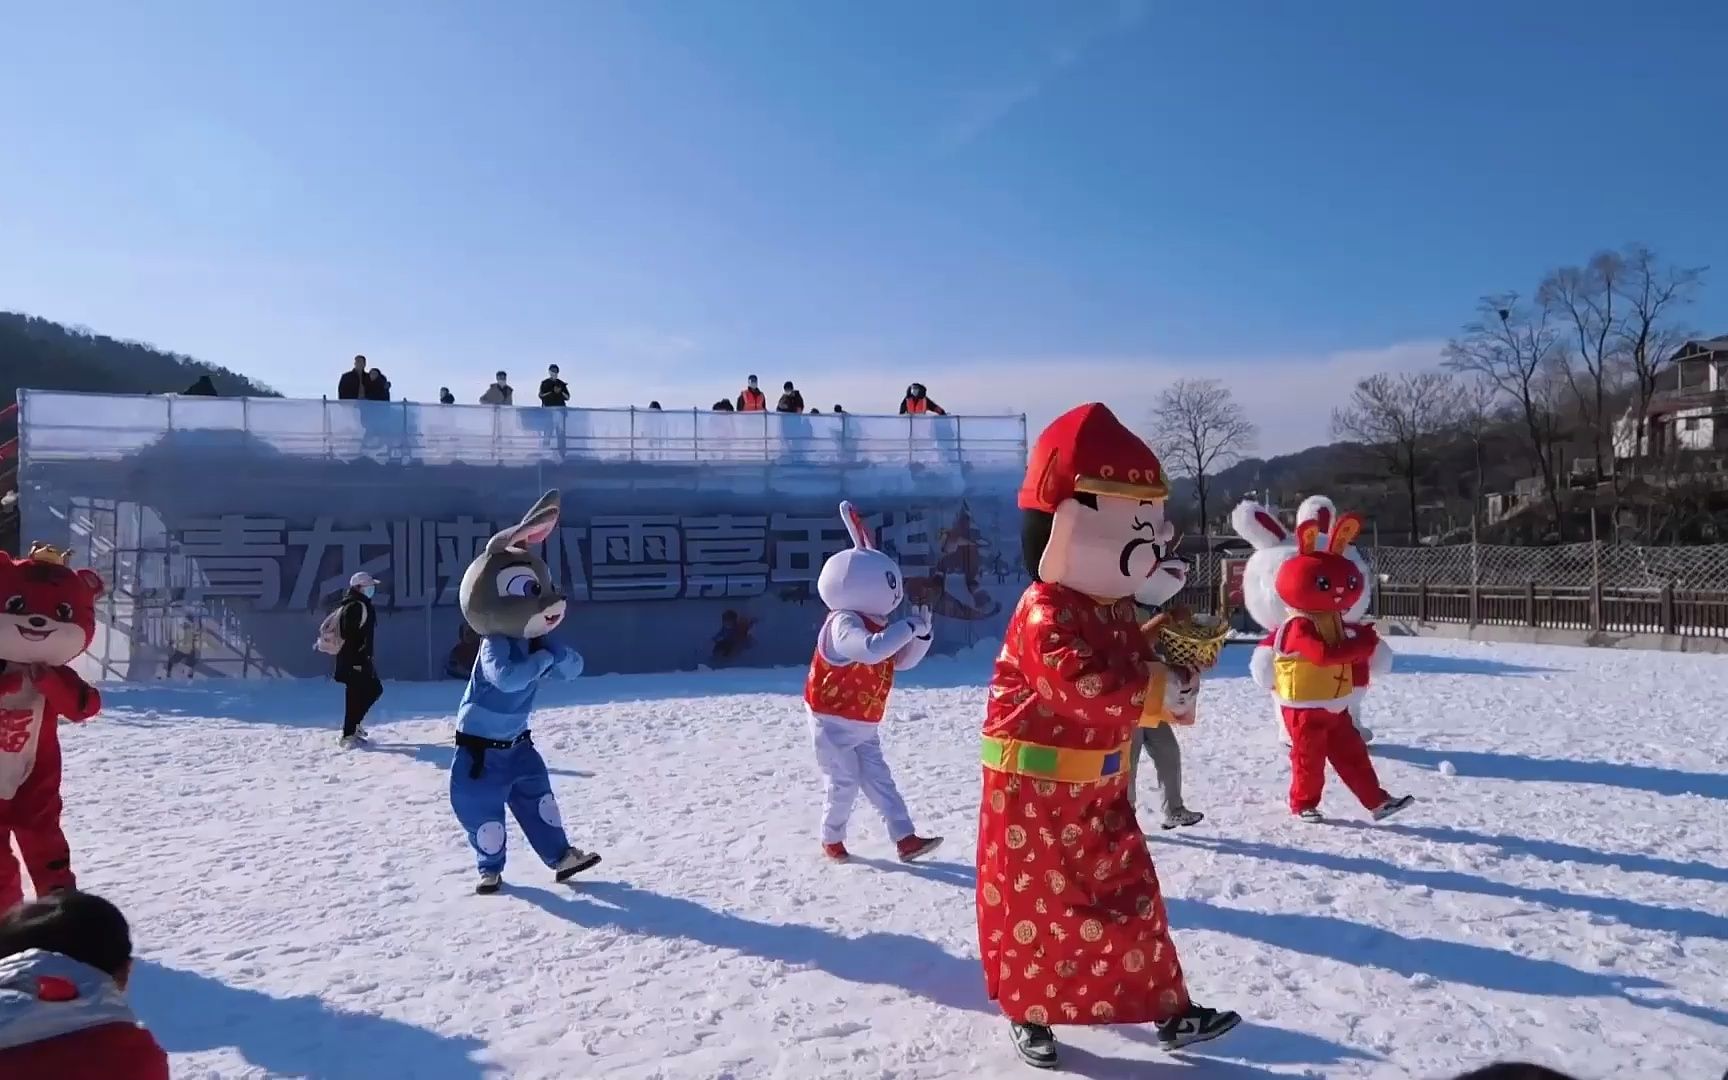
x=664 y=196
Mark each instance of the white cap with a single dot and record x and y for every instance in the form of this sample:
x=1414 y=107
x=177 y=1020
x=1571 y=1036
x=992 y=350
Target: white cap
x=361 y=579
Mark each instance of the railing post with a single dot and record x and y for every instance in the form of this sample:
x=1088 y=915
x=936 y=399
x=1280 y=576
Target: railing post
x=632 y=434
x=1595 y=575
x=695 y=434
x=1668 y=606
x=1530 y=602
x=1422 y=601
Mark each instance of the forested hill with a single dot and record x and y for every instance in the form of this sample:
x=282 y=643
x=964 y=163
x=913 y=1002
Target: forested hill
x=43 y=355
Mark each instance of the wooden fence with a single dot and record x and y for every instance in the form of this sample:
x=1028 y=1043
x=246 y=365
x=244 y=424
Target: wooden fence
x=1610 y=604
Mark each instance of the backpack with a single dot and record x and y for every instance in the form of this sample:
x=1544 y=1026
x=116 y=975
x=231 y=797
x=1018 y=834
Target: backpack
x=329 y=639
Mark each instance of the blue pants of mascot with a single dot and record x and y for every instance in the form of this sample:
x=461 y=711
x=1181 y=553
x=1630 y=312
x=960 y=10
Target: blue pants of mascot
x=515 y=778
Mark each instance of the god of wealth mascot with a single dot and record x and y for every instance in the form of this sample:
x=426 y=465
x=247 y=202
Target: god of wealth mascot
x=1071 y=921
x=509 y=598
x=47 y=618
x=1273 y=547
x=1315 y=656
x=858 y=650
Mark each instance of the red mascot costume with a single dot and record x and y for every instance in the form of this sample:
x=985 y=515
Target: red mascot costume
x=47 y=618
x=1071 y=925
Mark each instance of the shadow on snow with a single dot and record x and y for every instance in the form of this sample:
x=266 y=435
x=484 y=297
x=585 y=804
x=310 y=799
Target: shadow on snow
x=1479 y=763
x=295 y=1036
x=910 y=964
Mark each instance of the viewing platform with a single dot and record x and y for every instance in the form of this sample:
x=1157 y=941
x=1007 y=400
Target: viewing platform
x=58 y=426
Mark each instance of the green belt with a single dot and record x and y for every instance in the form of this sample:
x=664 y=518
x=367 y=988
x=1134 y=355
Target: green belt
x=1064 y=764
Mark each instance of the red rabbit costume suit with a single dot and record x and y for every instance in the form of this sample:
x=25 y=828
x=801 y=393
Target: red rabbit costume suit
x=1317 y=659
x=1071 y=924
x=47 y=618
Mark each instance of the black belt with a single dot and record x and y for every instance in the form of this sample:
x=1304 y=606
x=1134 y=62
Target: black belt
x=477 y=747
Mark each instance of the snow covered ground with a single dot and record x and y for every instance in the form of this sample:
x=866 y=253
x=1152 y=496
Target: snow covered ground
x=305 y=912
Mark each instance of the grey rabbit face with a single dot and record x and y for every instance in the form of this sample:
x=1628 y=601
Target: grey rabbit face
x=509 y=590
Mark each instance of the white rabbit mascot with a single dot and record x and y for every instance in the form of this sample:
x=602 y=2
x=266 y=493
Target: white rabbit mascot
x=858 y=650
x=1273 y=547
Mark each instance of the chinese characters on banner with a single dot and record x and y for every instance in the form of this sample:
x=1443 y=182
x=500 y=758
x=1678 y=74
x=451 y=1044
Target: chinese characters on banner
x=420 y=562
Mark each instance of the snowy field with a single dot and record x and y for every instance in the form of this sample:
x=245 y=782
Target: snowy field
x=1563 y=896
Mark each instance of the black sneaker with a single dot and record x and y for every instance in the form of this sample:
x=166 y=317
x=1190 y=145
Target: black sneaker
x=1036 y=1044
x=1199 y=1024
x=1392 y=806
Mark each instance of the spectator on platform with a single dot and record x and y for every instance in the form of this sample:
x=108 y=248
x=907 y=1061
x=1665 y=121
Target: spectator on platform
x=554 y=392
x=202 y=388
x=723 y=406
x=377 y=386
x=500 y=392
x=654 y=406
x=839 y=410
x=352 y=385
x=445 y=397
x=790 y=399
x=918 y=403
x=815 y=412
x=65 y=960
x=752 y=399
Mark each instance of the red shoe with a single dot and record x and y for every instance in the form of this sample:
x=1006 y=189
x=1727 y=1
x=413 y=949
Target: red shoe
x=915 y=847
x=836 y=851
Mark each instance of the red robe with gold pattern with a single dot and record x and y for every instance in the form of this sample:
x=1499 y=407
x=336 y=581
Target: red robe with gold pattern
x=1071 y=924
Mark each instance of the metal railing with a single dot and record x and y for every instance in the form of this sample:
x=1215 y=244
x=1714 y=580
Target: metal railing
x=82 y=427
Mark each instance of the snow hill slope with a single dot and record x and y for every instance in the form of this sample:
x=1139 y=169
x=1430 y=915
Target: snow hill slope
x=306 y=912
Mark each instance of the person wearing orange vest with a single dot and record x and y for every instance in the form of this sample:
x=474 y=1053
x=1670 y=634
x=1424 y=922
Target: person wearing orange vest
x=858 y=650
x=1155 y=605
x=752 y=399
x=918 y=403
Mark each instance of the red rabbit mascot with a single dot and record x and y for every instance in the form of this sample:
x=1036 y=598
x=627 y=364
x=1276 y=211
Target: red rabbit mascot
x=47 y=618
x=1071 y=922
x=1318 y=662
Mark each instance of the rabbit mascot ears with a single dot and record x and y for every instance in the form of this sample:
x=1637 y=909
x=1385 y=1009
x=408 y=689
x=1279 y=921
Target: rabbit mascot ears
x=861 y=578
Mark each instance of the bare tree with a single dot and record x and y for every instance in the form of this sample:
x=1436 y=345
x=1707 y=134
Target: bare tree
x=1199 y=429
x=1582 y=299
x=1398 y=418
x=1651 y=294
x=1515 y=349
x=1477 y=414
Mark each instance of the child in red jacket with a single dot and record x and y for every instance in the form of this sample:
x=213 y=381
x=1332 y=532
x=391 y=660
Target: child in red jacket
x=64 y=963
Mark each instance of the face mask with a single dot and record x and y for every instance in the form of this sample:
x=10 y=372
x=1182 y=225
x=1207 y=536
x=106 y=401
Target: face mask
x=369 y=591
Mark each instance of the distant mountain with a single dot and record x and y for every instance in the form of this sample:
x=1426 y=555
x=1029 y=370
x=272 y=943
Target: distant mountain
x=43 y=355
x=1357 y=480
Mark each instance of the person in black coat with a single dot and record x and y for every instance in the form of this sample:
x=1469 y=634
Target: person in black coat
x=790 y=399
x=354 y=667
x=554 y=392
x=377 y=386
x=352 y=385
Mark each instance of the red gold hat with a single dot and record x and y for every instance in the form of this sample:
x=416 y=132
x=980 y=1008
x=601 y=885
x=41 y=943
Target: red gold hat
x=1088 y=450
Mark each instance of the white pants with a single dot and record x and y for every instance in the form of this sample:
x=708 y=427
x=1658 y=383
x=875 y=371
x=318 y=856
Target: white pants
x=849 y=753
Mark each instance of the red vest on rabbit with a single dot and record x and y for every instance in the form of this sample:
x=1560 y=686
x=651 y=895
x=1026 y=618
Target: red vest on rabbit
x=849 y=691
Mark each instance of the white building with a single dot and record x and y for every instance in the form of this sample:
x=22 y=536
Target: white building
x=1689 y=411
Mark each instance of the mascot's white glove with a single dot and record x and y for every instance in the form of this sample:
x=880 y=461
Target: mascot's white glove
x=921 y=622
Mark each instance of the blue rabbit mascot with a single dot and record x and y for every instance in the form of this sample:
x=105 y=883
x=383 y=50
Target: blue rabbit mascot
x=510 y=600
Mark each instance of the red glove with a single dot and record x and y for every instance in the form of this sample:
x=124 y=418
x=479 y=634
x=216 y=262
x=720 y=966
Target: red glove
x=66 y=694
